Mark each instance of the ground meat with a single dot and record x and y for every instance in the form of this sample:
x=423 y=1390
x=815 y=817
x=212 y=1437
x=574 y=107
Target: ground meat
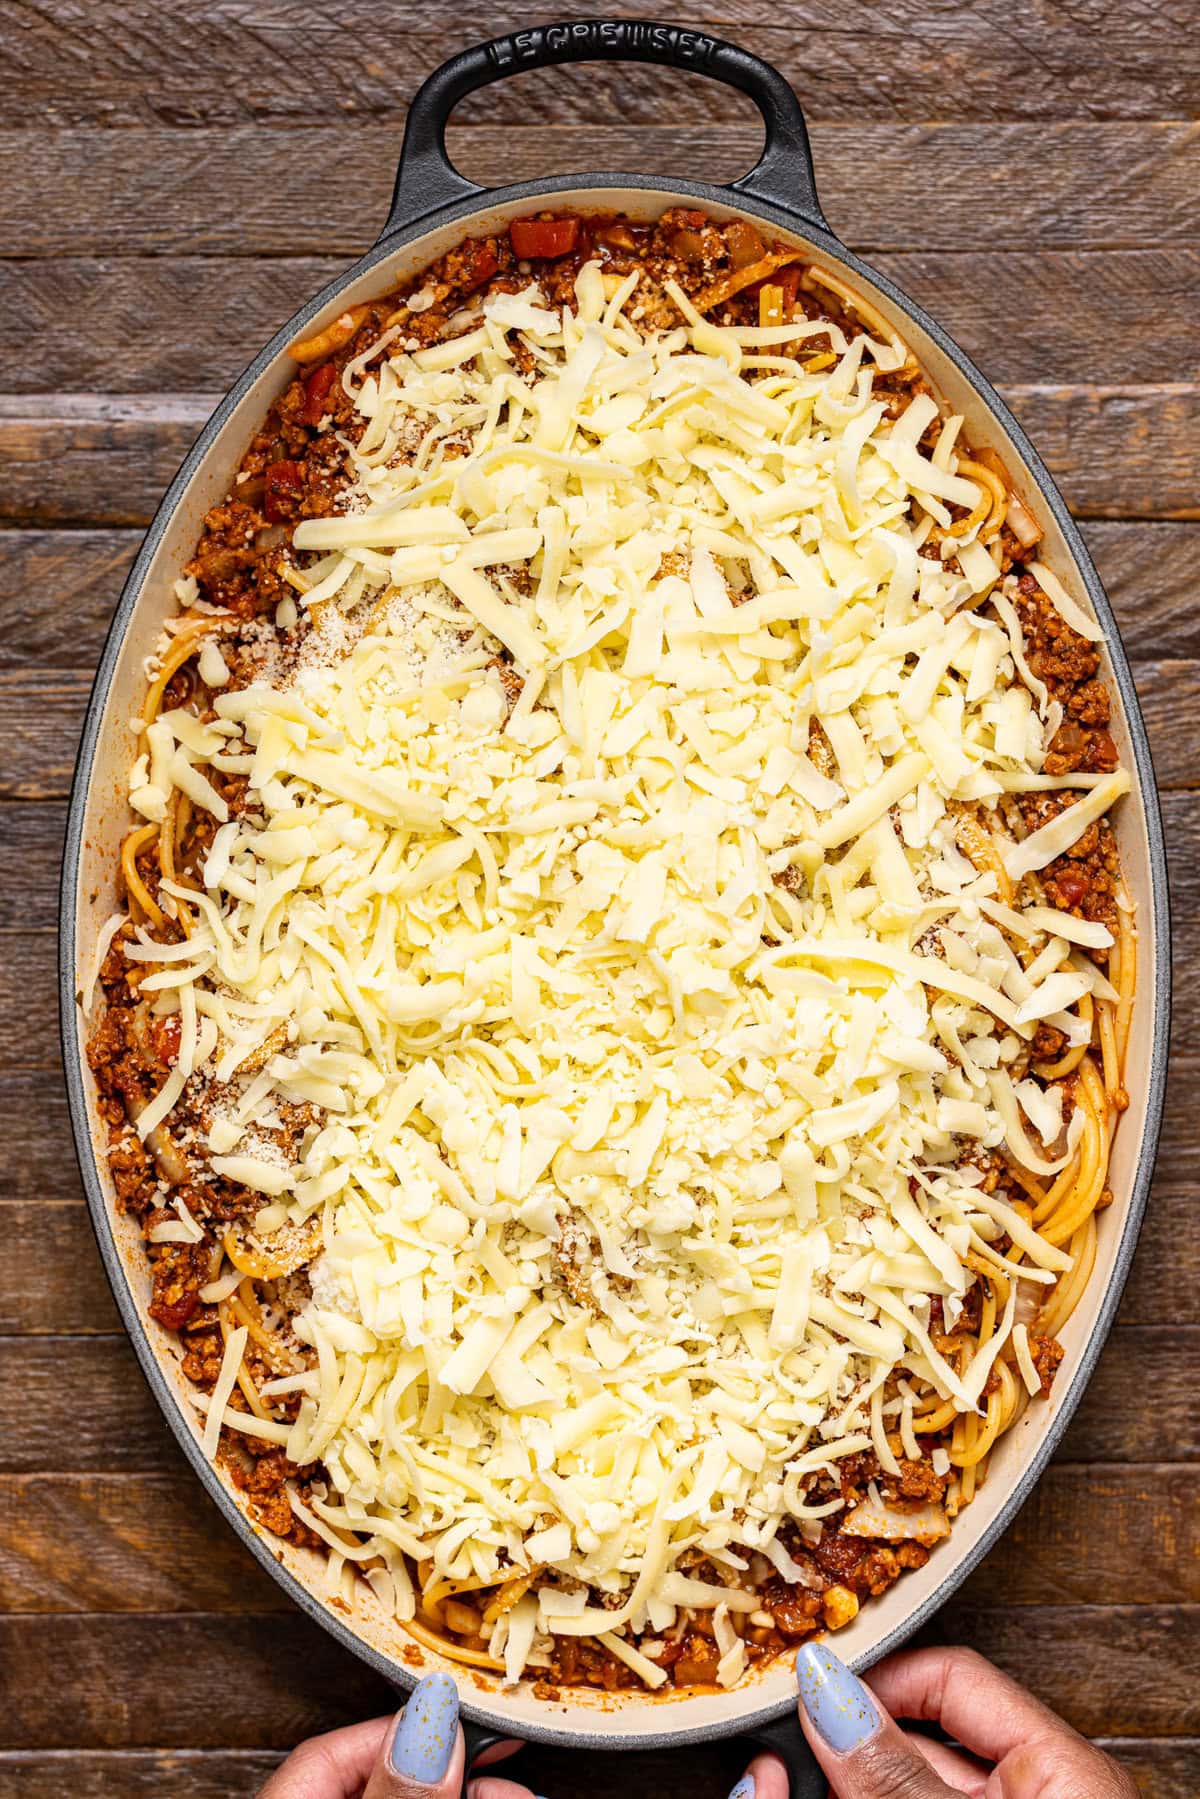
x=510 y=680
x=202 y=1363
x=1068 y=664
x=837 y=1556
x=883 y=1564
x=915 y=1484
x=264 y=1478
x=1086 y=879
x=1046 y=1354
x=583 y=1662
x=135 y=1177
x=178 y=1270
x=1049 y=1043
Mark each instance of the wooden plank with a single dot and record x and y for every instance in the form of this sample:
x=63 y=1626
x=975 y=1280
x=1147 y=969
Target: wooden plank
x=899 y=60
x=54 y=1280
x=1165 y=1768
x=137 y=1774
x=1091 y=1664
x=1169 y=692
x=154 y=324
x=38 y=1166
x=1122 y=1670
x=1117 y=452
x=43 y=706
x=29 y=1028
x=154 y=1543
x=79 y=1405
x=1115 y=1422
x=1169 y=1769
x=58 y=590
x=54 y=1283
x=31 y=840
x=124 y=1543
x=113 y=456
x=251 y=1681
x=243 y=191
x=1088 y=1534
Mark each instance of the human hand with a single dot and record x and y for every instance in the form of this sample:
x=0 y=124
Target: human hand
x=419 y=1754
x=1025 y=1750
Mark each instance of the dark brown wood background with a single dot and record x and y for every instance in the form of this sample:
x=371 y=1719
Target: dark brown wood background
x=175 y=179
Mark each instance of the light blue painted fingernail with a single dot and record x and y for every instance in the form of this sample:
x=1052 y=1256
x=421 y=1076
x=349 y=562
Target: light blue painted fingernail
x=425 y=1735
x=835 y=1700
x=744 y=1788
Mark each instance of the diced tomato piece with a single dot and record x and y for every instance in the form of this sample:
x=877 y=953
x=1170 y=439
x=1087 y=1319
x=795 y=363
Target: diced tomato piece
x=316 y=393
x=174 y=1314
x=543 y=239
x=480 y=263
x=165 y=1033
x=284 y=484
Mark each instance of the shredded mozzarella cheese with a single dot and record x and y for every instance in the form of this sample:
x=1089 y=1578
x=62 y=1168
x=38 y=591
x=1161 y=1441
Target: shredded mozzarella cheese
x=643 y=1015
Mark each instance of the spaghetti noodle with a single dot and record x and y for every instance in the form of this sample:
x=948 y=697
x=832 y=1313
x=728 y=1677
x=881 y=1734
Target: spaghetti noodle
x=643 y=1093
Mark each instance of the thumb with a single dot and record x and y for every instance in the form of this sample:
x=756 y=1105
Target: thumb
x=422 y=1757
x=863 y=1753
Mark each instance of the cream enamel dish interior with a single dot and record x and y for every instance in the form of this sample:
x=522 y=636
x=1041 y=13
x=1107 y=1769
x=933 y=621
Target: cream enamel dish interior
x=100 y=817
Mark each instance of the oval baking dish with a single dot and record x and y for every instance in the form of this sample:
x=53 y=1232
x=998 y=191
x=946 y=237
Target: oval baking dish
x=433 y=209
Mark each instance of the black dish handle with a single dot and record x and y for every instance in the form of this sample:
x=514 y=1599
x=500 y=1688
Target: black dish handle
x=427 y=179
x=782 y=1736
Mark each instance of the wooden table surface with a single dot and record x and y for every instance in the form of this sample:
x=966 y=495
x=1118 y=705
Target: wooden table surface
x=175 y=180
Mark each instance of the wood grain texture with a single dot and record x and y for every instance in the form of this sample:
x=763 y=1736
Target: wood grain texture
x=1117 y=452
x=107 y=1542
x=43 y=705
x=175 y=182
x=78 y=1405
x=55 y=1285
x=58 y=590
x=188 y=322
x=78 y=178
x=1165 y=1768
x=238 y=60
x=279 y=1677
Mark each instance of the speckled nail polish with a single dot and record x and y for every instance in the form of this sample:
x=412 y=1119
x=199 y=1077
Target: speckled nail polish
x=744 y=1788
x=424 y=1739
x=835 y=1700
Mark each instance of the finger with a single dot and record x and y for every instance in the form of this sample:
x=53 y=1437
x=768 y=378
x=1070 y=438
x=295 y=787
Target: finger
x=960 y=1772
x=423 y=1756
x=985 y=1709
x=1083 y=1772
x=864 y=1755
x=765 y=1778
x=492 y=1788
x=333 y=1766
